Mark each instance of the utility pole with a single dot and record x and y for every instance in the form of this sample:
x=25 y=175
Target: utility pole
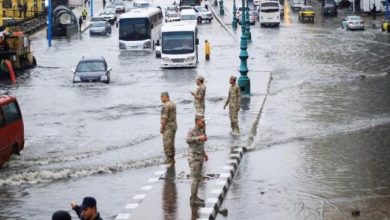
x=49 y=27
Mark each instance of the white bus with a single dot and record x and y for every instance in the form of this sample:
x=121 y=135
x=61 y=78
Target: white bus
x=179 y=45
x=139 y=29
x=269 y=13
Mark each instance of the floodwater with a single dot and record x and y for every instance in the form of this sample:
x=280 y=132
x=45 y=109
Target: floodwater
x=323 y=140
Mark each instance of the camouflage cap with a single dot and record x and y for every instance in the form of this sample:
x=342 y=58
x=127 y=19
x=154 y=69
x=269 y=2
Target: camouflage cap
x=200 y=77
x=199 y=116
x=233 y=77
x=164 y=94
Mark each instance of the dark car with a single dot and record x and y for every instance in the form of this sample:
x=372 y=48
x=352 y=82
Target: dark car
x=330 y=9
x=92 y=70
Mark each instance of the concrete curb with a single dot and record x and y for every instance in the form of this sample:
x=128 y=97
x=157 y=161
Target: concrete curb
x=223 y=24
x=213 y=204
x=137 y=199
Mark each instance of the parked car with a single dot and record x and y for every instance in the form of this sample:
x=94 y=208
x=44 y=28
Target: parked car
x=330 y=9
x=252 y=18
x=92 y=70
x=108 y=15
x=119 y=6
x=306 y=12
x=11 y=128
x=203 y=14
x=172 y=15
x=100 y=27
x=352 y=23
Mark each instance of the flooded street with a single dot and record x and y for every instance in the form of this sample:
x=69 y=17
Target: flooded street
x=322 y=143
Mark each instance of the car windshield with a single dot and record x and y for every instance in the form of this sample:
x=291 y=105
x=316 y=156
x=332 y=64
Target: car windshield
x=98 y=24
x=201 y=9
x=307 y=9
x=355 y=18
x=107 y=12
x=134 y=29
x=91 y=66
x=269 y=7
x=181 y=42
x=188 y=17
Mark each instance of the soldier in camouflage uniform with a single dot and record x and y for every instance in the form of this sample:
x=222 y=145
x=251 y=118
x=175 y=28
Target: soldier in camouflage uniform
x=196 y=138
x=168 y=127
x=199 y=95
x=234 y=100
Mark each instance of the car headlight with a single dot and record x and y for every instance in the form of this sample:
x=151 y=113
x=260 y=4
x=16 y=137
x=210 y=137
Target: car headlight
x=122 y=45
x=190 y=59
x=147 y=45
x=76 y=79
x=103 y=78
x=166 y=59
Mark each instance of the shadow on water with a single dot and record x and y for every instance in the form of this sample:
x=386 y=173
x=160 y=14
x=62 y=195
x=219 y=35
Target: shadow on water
x=170 y=195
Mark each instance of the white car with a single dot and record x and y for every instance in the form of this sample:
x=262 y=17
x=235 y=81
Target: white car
x=108 y=15
x=297 y=4
x=141 y=4
x=189 y=16
x=203 y=14
x=353 y=23
x=120 y=6
x=171 y=16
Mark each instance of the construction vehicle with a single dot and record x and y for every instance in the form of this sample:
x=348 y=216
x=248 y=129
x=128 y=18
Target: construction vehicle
x=15 y=54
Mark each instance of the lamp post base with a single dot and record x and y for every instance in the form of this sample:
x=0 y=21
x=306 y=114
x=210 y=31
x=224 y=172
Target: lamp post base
x=245 y=85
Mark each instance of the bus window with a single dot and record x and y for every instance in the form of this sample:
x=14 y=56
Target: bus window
x=134 y=29
x=11 y=113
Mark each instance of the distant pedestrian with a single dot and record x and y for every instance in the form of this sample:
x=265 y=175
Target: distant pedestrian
x=25 y=10
x=80 y=22
x=84 y=13
x=196 y=138
x=104 y=4
x=374 y=11
x=207 y=49
x=61 y=215
x=206 y=4
x=168 y=127
x=87 y=210
x=20 y=9
x=233 y=101
x=199 y=95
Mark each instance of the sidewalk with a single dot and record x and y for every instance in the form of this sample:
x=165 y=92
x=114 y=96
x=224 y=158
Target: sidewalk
x=97 y=7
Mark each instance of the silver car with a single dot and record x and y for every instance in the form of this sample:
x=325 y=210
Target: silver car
x=100 y=27
x=252 y=18
x=92 y=70
x=203 y=14
x=353 y=23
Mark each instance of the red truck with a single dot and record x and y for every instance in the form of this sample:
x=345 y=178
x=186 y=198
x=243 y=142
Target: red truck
x=11 y=128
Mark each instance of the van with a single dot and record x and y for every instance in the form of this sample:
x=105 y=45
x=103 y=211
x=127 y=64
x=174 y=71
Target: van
x=11 y=128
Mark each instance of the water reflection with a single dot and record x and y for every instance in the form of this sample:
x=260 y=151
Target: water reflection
x=170 y=195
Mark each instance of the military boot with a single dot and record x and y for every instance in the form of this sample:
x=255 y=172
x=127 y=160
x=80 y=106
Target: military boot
x=195 y=202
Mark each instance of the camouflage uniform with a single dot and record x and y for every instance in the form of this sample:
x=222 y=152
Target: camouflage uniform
x=168 y=113
x=199 y=99
x=195 y=158
x=234 y=100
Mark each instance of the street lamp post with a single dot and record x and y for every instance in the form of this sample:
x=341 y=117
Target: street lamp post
x=215 y=3
x=234 y=23
x=387 y=11
x=91 y=8
x=243 y=80
x=221 y=10
x=248 y=29
x=49 y=25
